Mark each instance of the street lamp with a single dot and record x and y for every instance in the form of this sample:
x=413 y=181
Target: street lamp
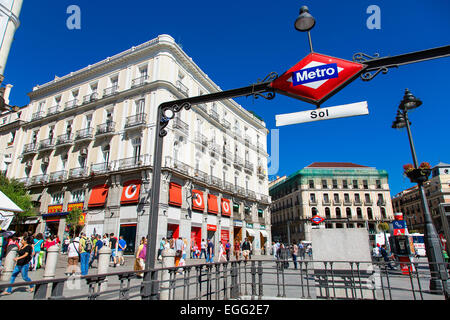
x=439 y=276
x=305 y=22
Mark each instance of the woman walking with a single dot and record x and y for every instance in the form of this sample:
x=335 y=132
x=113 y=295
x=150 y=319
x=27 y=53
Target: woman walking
x=237 y=249
x=222 y=252
x=38 y=246
x=23 y=263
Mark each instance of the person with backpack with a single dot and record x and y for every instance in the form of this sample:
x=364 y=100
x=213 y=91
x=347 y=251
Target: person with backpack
x=38 y=246
x=98 y=246
x=73 y=256
x=85 y=253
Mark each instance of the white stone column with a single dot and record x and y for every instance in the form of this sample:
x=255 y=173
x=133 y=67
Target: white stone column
x=52 y=259
x=9 y=264
x=104 y=256
x=168 y=261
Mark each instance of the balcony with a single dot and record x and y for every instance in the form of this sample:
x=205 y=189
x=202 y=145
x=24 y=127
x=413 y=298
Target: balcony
x=53 y=110
x=57 y=176
x=228 y=186
x=226 y=123
x=337 y=202
x=106 y=129
x=139 y=81
x=238 y=161
x=71 y=104
x=136 y=121
x=347 y=202
x=133 y=162
x=64 y=140
x=326 y=202
x=78 y=173
x=248 y=166
x=247 y=139
x=214 y=115
x=182 y=88
x=180 y=125
x=264 y=198
x=37 y=116
x=202 y=176
x=368 y=202
x=25 y=181
x=200 y=138
x=251 y=194
x=214 y=148
x=29 y=149
x=203 y=107
x=110 y=91
x=100 y=168
x=381 y=203
x=313 y=202
x=47 y=144
x=261 y=172
x=240 y=191
x=178 y=166
x=40 y=179
x=216 y=182
x=357 y=202
x=84 y=135
x=90 y=97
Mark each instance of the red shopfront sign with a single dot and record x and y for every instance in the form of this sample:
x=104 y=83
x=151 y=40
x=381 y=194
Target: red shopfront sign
x=197 y=200
x=55 y=208
x=224 y=236
x=72 y=206
x=211 y=227
x=226 y=207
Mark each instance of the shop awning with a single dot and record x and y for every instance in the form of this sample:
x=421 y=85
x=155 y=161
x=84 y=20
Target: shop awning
x=32 y=221
x=212 y=204
x=6 y=204
x=98 y=196
x=264 y=233
x=175 y=194
x=225 y=206
x=251 y=232
x=130 y=192
x=197 y=200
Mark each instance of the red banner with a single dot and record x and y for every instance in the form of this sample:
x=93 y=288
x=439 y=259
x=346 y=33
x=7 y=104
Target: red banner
x=72 y=206
x=55 y=208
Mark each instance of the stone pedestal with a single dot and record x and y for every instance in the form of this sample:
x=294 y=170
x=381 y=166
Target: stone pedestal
x=52 y=260
x=9 y=264
x=168 y=261
x=104 y=256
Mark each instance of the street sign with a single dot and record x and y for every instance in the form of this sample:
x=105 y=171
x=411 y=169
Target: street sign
x=317 y=219
x=348 y=110
x=317 y=77
x=399 y=227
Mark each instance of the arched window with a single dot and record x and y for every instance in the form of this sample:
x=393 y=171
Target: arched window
x=348 y=212
x=338 y=213
x=369 y=214
x=314 y=211
x=383 y=213
x=327 y=213
x=359 y=213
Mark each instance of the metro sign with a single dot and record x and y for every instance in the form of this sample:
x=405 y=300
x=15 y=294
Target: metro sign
x=317 y=219
x=317 y=77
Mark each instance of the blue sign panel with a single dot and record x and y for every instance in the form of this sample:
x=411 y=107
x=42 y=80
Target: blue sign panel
x=399 y=224
x=318 y=73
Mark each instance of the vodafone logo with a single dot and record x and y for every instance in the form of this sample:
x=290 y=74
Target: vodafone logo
x=226 y=207
x=198 y=200
x=130 y=191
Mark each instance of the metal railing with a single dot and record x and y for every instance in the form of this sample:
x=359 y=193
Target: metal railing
x=57 y=176
x=139 y=81
x=100 y=168
x=82 y=134
x=202 y=176
x=78 y=173
x=53 y=110
x=182 y=88
x=29 y=148
x=136 y=120
x=71 y=104
x=213 y=114
x=110 y=91
x=43 y=178
x=133 y=162
x=200 y=138
x=248 y=280
x=37 y=115
x=64 y=139
x=106 y=128
x=47 y=144
x=90 y=97
x=179 y=124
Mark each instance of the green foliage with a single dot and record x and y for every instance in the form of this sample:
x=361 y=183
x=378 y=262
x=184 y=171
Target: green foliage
x=73 y=218
x=384 y=226
x=17 y=192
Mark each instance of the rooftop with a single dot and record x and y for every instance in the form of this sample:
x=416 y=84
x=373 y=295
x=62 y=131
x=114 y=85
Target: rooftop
x=335 y=165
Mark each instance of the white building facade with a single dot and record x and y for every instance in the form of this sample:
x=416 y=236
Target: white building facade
x=88 y=143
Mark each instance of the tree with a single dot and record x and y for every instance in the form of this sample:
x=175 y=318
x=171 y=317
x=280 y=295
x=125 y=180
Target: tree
x=17 y=192
x=73 y=219
x=384 y=226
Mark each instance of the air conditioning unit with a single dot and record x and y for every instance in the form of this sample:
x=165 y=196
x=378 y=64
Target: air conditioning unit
x=84 y=152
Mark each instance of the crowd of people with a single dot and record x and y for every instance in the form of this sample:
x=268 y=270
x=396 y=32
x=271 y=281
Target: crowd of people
x=81 y=251
x=285 y=252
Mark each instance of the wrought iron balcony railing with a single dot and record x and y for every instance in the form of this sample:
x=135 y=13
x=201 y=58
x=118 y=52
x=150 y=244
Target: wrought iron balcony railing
x=133 y=162
x=248 y=165
x=37 y=115
x=226 y=123
x=251 y=194
x=200 y=138
x=84 y=134
x=110 y=91
x=100 y=168
x=78 y=173
x=182 y=88
x=53 y=110
x=228 y=186
x=47 y=144
x=238 y=161
x=337 y=202
x=216 y=182
x=202 y=176
x=65 y=139
x=239 y=190
x=203 y=107
x=178 y=124
x=71 y=104
x=139 y=81
x=90 y=97
x=58 y=176
x=368 y=202
x=107 y=128
x=136 y=121
x=29 y=148
x=213 y=114
x=40 y=179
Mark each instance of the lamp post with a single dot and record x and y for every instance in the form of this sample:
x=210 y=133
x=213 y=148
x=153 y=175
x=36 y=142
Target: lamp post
x=304 y=23
x=439 y=276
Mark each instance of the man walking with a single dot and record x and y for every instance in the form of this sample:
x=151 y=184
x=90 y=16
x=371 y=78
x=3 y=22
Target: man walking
x=203 y=248
x=246 y=249
x=85 y=253
x=113 y=245
x=121 y=248
x=98 y=246
x=210 y=252
x=227 y=250
x=294 y=253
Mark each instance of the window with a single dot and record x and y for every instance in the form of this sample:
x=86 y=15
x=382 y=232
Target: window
x=64 y=161
x=77 y=196
x=357 y=198
x=348 y=212
x=378 y=183
x=335 y=184
x=326 y=198
x=106 y=154
x=140 y=106
x=359 y=213
x=365 y=184
x=69 y=128
x=355 y=184
x=324 y=184
x=327 y=213
x=367 y=197
x=346 y=198
x=336 y=197
x=137 y=149
x=338 y=213
x=312 y=196
x=58 y=198
x=88 y=121
x=369 y=214
x=344 y=184
x=51 y=132
x=311 y=184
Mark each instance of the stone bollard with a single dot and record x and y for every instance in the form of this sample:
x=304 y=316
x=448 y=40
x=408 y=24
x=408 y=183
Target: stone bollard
x=9 y=264
x=168 y=261
x=104 y=256
x=52 y=260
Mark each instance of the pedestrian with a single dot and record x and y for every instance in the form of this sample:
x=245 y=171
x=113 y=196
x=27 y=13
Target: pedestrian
x=309 y=250
x=120 y=250
x=141 y=256
x=196 y=250
x=228 y=250
x=203 y=246
x=161 y=248
x=301 y=251
x=237 y=249
x=376 y=254
x=105 y=240
x=246 y=249
x=113 y=242
x=209 y=251
x=38 y=246
x=294 y=253
x=65 y=245
x=73 y=257
x=386 y=257
x=23 y=259
x=98 y=246
x=222 y=256
x=85 y=249
x=179 y=245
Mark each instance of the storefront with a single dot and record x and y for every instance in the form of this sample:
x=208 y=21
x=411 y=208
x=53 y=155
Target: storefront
x=237 y=230
x=196 y=235
x=173 y=231
x=211 y=233
x=251 y=234
x=263 y=239
x=128 y=231
x=52 y=219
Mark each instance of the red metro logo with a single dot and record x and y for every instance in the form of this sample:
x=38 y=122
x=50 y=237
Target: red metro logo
x=317 y=77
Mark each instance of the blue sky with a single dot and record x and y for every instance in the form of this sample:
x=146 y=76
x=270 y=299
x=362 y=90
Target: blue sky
x=238 y=42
